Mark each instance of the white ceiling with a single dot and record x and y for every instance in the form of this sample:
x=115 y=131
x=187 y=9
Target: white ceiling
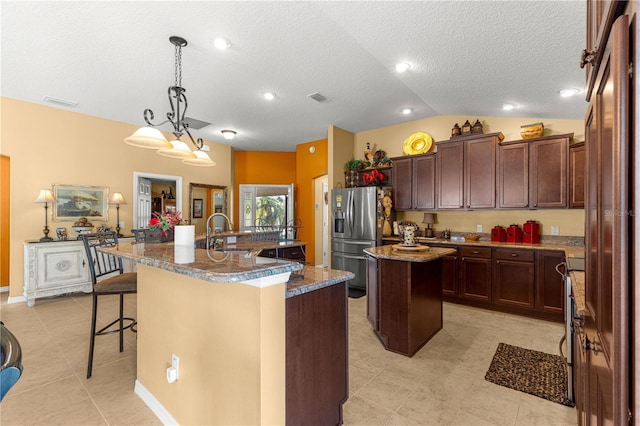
x=468 y=58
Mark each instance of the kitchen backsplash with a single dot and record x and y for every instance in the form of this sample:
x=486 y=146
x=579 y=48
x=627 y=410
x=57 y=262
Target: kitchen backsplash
x=570 y=222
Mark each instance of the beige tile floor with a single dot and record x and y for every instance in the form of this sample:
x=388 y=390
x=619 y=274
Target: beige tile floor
x=443 y=384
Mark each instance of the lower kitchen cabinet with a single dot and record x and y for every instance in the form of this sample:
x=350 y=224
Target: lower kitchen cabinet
x=514 y=278
x=475 y=273
x=295 y=253
x=449 y=272
x=549 y=283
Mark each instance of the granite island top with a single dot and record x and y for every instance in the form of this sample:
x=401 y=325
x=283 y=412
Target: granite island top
x=230 y=264
x=389 y=252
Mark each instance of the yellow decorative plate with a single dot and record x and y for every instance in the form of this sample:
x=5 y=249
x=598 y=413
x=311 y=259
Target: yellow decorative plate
x=417 y=143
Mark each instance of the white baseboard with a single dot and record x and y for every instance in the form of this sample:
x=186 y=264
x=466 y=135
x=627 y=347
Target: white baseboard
x=17 y=299
x=4 y=289
x=158 y=409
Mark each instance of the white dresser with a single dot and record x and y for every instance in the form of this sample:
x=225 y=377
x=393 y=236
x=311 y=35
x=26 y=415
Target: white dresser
x=57 y=267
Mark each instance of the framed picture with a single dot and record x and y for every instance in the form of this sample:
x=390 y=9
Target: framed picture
x=73 y=202
x=197 y=208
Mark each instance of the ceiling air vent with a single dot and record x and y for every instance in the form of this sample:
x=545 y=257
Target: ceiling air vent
x=318 y=97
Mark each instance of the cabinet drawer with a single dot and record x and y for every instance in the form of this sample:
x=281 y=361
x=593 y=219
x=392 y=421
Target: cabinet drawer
x=296 y=253
x=517 y=255
x=482 y=252
x=269 y=253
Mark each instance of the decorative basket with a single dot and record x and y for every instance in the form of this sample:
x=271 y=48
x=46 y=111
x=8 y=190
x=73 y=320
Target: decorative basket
x=529 y=131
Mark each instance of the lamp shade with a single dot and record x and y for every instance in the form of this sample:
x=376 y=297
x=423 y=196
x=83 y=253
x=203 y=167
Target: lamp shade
x=202 y=159
x=428 y=218
x=45 y=196
x=148 y=137
x=117 y=198
x=179 y=150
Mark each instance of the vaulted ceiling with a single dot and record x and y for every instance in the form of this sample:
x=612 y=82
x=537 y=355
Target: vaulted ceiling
x=467 y=58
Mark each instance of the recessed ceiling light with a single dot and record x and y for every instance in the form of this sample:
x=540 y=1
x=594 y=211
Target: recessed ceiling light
x=269 y=96
x=407 y=111
x=509 y=107
x=228 y=134
x=566 y=93
x=402 y=67
x=221 y=43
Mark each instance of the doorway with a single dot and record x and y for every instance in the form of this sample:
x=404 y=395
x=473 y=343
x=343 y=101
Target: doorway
x=142 y=190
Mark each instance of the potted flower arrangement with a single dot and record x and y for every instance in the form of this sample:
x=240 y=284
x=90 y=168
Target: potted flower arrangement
x=161 y=226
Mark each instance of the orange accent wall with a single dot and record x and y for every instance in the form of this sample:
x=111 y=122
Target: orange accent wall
x=267 y=167
x=5 y=219
x=309 y=167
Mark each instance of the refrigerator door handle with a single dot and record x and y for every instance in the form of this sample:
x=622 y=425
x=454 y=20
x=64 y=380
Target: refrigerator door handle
x=352 y=256
x=350 y=212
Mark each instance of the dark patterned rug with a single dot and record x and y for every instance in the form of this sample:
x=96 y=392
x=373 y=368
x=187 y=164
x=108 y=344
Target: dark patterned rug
x=532 y=372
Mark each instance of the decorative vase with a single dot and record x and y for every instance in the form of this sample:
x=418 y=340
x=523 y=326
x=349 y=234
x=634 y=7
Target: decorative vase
x=158 y=236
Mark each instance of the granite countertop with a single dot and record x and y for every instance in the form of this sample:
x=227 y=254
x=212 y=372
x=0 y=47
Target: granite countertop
x=391 y=253
x=235 y=264
x=577 y=285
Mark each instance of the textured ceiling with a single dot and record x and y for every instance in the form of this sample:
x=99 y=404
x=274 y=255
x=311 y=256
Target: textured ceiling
x=468 y=58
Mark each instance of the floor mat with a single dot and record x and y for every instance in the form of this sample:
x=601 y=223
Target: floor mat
x=532 y=372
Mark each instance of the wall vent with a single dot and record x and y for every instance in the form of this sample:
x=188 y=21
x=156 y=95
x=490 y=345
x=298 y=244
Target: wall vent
x=318 y=97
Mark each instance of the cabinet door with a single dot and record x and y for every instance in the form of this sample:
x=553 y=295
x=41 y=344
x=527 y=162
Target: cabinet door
x=549 y=283
x=549 y=162
x=424 y=174
x=480 y=173
x=576 y=175
x=450 y=275
x=514 y=284
x=402 y=184
x=449 y=175
x=475 y=278
x=61 y=265
x=373 y=312
x=513 y=176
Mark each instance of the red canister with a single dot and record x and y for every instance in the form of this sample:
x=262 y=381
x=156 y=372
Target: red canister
x=531 y=232
x=514 y=234
x=498 y=234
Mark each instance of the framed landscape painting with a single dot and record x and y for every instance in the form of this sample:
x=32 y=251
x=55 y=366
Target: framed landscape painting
x=74 y=201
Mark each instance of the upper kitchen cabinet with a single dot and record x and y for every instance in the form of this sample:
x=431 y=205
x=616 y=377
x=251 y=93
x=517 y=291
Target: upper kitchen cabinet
x=600 y=17
x=414 y=182
x=576 y=175
x=533 y=173
x=466 y=173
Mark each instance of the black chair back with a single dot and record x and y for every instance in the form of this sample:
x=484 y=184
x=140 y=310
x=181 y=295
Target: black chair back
x=100 y=263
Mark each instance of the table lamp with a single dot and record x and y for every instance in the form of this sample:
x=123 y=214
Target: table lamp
x=117 y=199
x=45 y=196
x=429 y=219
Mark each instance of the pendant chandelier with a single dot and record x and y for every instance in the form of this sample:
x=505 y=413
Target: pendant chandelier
x=148 y=137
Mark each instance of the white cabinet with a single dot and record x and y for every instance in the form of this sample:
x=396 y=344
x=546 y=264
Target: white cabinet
x=54 y=268
x=58 y=267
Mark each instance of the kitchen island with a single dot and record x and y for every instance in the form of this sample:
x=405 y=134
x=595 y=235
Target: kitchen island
x=246 y=330
x=404 y=291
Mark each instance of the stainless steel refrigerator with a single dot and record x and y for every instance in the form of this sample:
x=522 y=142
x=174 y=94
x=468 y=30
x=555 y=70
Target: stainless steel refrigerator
x=357 y=224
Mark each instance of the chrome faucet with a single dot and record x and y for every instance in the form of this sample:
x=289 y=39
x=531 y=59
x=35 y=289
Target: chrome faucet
x=229 y=225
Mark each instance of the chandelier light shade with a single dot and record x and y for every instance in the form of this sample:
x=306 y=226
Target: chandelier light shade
x=147 y=137
x=45 y=196
x=202 y=159
x=117 y=199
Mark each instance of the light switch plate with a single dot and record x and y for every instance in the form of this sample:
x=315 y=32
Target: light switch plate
x=555 y=230
x=478 y=228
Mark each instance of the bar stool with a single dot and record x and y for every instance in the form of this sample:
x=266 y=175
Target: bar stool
x=138 y=234
x=117 y=283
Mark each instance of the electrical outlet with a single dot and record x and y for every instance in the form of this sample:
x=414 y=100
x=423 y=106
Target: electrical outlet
x=478 y=228
x=555 y=230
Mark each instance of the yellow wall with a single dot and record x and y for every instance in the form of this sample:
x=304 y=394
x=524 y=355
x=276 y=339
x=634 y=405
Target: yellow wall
x=274 y=168
x=391 y=139
x=309 y=166
x=49 y=146
x=5 y=219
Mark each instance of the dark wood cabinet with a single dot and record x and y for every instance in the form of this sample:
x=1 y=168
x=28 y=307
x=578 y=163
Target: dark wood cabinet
x=475 y=273
x=466 y=172
x=514 y=278
x=576 y=175
x=449 y=271
x=373 y=298
x=549 y=283
x=414 y=182
x=295 y=253
x=533 y=173
x=317 y=380
x=513 y=176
